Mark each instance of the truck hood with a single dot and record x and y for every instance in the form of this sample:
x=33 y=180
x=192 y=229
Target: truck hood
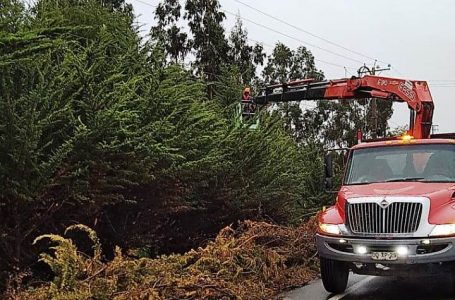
x=441 y=195
x=425 y=189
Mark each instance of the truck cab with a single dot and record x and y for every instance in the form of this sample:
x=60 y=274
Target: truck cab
x=394 y=213
x=395 y=210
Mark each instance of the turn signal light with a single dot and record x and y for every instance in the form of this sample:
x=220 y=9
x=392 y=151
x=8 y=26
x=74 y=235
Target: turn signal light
x=407 y=137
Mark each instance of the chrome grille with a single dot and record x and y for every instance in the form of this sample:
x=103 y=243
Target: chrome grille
x=372 y=218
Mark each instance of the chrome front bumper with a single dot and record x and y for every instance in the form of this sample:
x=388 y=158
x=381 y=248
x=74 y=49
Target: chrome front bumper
x=342 y=249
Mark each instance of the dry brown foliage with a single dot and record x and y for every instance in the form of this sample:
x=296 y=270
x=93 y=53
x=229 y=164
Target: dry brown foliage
x=255 y=260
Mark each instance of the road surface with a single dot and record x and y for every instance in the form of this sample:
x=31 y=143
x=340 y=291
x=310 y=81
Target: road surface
x=381 y=288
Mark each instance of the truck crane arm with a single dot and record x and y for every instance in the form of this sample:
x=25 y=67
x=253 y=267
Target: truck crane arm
x=415 y=93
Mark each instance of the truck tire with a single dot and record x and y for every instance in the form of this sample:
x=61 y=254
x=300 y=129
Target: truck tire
x=334 y=275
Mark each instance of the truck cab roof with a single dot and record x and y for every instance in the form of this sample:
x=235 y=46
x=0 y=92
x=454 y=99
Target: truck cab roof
x=398 y=141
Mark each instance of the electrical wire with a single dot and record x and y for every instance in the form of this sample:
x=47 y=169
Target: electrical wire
x=146 y=3
x=434 y=83
x=292 y=37
x=308 y=32
x=316 y=59
x=262 y=43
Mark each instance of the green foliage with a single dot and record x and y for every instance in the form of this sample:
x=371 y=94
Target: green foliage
x=84 y=121
x=167 y=32
x=70 y=266
x=93 y=128
x=228 y=87
x=96 y=127
x=11 y=16
x=398 y=131
x=284 y=65
x=269 y=172
x=64 y=263
x=244 y=56
x=91 y=235
x=205 y=22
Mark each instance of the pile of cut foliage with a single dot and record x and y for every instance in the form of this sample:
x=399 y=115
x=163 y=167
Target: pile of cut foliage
x=254 y=260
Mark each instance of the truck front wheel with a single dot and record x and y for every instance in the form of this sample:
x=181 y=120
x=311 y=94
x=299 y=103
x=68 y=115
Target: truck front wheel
x=334 y=275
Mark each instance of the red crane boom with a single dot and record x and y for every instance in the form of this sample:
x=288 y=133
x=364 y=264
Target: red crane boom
x=413 y=92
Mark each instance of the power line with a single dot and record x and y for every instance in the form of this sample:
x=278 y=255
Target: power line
x=292 y=37
x=258 y=42
x=145 y=3
x=251 y=40
x=316 y=59
x=333 y=64
x=308 y=32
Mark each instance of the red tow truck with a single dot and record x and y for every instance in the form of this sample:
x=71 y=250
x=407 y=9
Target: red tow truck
x=395 y=210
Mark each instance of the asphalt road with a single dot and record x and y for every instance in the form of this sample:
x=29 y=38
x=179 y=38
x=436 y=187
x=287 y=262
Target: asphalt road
x=381 y=288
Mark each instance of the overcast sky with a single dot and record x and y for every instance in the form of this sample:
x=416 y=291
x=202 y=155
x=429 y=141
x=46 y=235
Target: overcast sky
x=415 y=36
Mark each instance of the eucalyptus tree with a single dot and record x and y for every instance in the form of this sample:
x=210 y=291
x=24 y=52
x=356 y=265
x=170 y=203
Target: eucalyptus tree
x=245 y=56
x=209 y=42
x=168 y=33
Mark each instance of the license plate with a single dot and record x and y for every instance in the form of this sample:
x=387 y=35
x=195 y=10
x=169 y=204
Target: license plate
x=384 y=256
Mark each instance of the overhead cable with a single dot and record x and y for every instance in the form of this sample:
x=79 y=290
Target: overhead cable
x=308 y=32
x=288 y=36
x=292 y=37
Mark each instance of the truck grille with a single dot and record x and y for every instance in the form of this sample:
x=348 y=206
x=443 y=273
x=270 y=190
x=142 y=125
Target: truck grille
x=372 y=218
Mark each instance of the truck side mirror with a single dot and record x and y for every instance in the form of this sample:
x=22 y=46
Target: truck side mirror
x=328 y=168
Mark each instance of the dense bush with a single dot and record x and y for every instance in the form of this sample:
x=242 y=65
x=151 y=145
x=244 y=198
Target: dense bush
x=96 y=128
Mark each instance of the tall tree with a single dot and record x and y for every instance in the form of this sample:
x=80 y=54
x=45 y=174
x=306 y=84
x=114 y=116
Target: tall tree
x=278 y=65
x=303 y=65
x=116 y=4
x=11 y=16
x=50 y=105
x=209 y=43
x=243 y=55
x=167 y=32
x=285 y=65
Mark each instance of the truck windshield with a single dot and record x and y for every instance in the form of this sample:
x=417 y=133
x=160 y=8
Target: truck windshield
x=418 y=162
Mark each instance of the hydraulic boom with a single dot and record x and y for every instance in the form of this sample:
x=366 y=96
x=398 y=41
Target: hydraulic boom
x=415 y=93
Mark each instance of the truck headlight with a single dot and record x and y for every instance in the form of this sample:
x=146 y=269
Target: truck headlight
x=330 y=228
x=443 y=230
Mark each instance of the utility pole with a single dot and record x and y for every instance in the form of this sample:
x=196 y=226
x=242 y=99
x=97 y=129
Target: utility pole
x=374 y=106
